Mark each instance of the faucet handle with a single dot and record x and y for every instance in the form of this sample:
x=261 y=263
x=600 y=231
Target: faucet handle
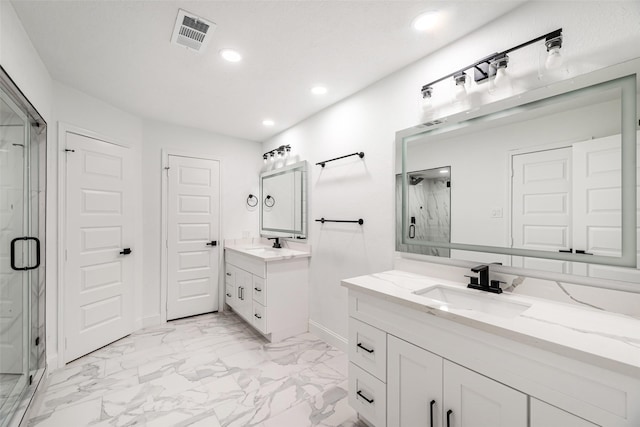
x=495 y=286
x=473 y=280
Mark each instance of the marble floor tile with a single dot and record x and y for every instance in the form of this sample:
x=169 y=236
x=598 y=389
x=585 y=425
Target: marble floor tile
x=211 y=370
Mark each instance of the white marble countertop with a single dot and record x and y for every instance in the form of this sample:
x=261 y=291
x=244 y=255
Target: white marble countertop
x=268 y=253
x=601 y=338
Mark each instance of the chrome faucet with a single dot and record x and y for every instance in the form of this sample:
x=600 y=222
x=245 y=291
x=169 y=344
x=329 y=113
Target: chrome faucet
x=482 y=282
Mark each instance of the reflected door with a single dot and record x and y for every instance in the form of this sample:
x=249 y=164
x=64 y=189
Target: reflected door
x=193 y=204
x=541 y=206
x=98 y=295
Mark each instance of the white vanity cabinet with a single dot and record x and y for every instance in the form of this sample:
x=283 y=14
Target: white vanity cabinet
x=271 y=295
x=416 y=396
x=545 y=415
x=403 y=359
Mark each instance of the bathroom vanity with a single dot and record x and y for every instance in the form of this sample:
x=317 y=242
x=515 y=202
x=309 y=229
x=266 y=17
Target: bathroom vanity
x=267 y=287
x=429 y=352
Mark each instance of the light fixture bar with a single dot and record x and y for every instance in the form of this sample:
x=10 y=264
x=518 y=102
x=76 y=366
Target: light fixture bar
x=281 y=150
x=481 y=67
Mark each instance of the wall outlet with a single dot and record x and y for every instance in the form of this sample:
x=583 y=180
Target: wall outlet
x=496 y=213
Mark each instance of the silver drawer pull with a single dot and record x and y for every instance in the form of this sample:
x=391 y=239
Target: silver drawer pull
x=368 y=350
x=257 y=316
x=369 y=401
x=258 y=289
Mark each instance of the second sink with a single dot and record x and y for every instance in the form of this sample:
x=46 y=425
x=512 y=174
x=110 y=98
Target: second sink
x=461 y=299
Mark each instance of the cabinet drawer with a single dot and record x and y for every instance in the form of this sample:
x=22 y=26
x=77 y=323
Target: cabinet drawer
x=259 y=317
x=229 y=274
x=246 y=263
x=260 y=290
x=368 y=348
x=367 y=395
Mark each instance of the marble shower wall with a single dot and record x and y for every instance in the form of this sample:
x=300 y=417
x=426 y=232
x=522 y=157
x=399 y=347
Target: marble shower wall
x=430 y=205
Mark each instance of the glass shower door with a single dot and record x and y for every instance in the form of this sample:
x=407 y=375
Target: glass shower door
x=15 y=294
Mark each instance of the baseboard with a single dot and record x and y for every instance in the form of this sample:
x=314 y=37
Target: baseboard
x=151 y=321
x=52 y=362
x=328 y=336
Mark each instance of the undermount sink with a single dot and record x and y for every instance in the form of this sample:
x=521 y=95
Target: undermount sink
x=461 y=299
x=262 y=251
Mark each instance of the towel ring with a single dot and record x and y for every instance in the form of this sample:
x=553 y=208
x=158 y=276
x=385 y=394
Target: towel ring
x=269 y=201
x=252 y=201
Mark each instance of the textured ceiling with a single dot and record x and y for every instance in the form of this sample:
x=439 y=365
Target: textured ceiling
x=120 y=51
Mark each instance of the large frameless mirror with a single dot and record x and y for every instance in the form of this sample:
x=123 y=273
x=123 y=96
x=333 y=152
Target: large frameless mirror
x=545 y=181
x=283 y=211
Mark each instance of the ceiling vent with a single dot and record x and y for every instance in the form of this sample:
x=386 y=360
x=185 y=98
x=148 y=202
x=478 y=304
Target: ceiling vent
x=192 y=31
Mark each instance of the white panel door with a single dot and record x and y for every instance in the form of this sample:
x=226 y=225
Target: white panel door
x=473 y=400
x=598 y=205
x=193 y=205
x=98 y=293
x=414 y=385
x=541 y=206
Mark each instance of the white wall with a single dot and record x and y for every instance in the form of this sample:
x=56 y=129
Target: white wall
x=240 y=162
x=596 y=34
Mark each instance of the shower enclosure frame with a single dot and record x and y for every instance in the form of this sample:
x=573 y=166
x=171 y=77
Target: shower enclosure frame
x=24 y=258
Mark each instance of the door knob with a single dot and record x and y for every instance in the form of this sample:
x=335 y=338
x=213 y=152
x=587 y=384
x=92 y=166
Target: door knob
x=125 y=251
x=213 y=243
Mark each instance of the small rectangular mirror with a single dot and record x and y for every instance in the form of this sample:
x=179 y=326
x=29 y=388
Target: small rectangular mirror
x=283 y=209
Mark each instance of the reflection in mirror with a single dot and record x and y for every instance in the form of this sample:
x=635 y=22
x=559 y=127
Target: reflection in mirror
x=547 y=182
x=283 y=206
x=429 y=209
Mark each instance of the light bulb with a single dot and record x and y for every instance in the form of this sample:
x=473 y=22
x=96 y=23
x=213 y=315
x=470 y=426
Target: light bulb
x=426 y=98
x=502 y=78
x=554 y=58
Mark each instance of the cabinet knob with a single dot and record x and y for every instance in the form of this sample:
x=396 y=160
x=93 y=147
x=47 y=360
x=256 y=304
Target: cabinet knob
x=257 y=316
x=229 y=295
x=258 y=289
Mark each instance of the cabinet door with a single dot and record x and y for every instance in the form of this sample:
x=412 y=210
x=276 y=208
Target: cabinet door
x=244 y=295
x=477 y=401
x=545 y=415
x=414 y=385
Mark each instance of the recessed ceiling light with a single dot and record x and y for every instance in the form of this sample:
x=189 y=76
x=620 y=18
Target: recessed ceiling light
x=230 y=55
x=268 y=122
x=318 y=90
x=426 y=21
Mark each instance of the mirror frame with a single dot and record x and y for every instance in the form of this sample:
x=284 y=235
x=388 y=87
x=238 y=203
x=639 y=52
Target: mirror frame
x=624 y=77
x=278 y=232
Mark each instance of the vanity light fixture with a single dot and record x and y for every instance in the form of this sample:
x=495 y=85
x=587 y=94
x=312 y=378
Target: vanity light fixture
x=281 y=151
x=554 y=58
x=495 y=65
x=426 y=97
x=461 y=90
